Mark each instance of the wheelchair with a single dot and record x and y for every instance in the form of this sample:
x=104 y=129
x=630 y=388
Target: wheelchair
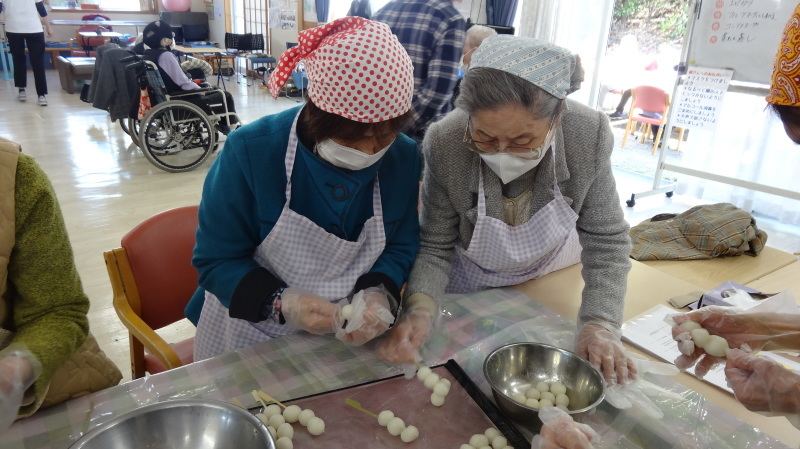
x=176 y=134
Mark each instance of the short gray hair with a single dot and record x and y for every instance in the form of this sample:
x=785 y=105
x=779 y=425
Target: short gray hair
x=485 y=88
x=477 y=33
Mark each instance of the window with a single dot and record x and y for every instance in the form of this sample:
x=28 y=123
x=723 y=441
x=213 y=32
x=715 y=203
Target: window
x=104 y=5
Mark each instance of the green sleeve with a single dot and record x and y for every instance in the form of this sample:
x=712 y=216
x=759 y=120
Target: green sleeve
x=49 y=305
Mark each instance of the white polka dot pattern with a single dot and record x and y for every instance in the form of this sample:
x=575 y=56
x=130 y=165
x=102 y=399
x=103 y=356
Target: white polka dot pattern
x=356 y=69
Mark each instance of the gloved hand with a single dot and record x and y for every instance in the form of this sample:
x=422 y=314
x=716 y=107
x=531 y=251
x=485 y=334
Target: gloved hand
x=637 y=393
x=603 y=349
x=370 y=316
x=410 y=332
x=736 y=326
x=560 y=431
x=761 y=384
x=305 y=311
x=18 y=370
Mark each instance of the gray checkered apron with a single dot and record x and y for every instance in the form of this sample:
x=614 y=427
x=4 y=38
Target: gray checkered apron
x=500 y=255
x=303 y=255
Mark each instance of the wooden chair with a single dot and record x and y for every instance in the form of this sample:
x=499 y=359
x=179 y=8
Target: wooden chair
x=152 y=279
x=653 y=100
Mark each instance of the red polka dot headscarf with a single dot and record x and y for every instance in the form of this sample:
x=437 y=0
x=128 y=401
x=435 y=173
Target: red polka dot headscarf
x=356 y=69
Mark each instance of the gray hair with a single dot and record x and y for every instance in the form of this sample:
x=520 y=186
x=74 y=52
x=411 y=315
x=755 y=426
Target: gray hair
x=477 y=33
x=486 y=88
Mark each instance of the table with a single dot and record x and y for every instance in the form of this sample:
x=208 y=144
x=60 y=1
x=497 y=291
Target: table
x=786 y=278
x=212 y=55
x=710 y=273
x=647 y=287
x=133 y=23
x=473 y=325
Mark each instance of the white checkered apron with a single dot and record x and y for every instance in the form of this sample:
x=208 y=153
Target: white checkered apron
x=500 y=255
x=303 y=255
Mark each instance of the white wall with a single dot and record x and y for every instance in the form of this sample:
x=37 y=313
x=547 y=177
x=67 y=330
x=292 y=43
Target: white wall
x=63 y=33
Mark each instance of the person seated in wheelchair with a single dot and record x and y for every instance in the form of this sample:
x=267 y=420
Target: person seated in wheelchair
x=157 y=38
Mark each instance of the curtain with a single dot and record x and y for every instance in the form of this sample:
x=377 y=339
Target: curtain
x=322 y=10
x=501 y=12
x=749 y=144
x=582 y=26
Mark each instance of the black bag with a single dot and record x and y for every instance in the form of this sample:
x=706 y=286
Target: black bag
x=85 y=93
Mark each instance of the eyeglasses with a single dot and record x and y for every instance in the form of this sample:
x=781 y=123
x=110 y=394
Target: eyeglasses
x=520 y=152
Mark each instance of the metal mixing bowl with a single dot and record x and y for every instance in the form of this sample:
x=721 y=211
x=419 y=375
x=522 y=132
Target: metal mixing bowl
x=514 y=368
x=181 y=424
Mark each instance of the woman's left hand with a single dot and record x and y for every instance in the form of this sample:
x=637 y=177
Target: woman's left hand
x=604 y=350
x=370 y=317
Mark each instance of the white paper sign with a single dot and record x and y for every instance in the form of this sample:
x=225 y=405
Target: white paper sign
x=700 y=97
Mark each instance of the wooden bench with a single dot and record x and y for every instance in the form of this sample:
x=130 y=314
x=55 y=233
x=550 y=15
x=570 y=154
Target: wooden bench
x=710 y=273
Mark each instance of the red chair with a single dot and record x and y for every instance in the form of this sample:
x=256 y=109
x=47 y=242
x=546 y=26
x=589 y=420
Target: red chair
x=653 y=100
x=86 y=44
x=152 y=279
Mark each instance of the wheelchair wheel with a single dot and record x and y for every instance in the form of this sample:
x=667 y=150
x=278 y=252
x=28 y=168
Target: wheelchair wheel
x=131 y=128
x=176 y=136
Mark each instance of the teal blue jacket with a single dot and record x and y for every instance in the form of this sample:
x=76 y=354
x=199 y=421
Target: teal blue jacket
x=244 y=194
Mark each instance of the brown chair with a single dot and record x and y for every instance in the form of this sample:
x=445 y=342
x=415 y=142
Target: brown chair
x=86 y=45
x=653 y=100
x=152 y=279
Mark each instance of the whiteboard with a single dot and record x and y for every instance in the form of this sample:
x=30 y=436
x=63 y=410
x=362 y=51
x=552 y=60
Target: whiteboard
x=742 y=35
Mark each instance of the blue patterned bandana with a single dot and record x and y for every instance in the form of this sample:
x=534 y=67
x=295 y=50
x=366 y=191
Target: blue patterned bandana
x=543 y=64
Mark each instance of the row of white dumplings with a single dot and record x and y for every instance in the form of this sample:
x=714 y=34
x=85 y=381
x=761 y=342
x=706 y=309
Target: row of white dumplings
x=544 y=394
x=491 y=439
x=396 y=426
x=432 y=381
x=279 y=423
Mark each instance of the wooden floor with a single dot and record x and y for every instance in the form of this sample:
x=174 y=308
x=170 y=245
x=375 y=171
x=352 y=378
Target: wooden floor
x=106 y=186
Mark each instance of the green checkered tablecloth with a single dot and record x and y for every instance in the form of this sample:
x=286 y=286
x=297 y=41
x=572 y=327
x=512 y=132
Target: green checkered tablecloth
x=298 y=365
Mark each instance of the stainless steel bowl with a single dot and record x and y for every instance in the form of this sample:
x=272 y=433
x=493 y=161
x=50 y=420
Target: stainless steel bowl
x=181 y=424
x=514 y=368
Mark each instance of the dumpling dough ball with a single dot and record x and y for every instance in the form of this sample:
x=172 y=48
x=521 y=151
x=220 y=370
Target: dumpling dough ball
x=273 y=432
x=478 y=440
x=437 y=400
x=423 y=372
x=466 y=446
x=285 y=430
x=395 y=426
x=441 y=388
x=533 y=393
x=444 y=381
x=264 y=418
x=716 y=346
x=347 y=311
x=548 y=395
x=533 y=403
x=431 y=380
x=305 y=416
x=690 y=325
x=700 y=337
x=384 y=417
x=545 y=403
x=499 y=442
x=271 y=410
x=543 y=386
x=292 y=413
x=316 y=426
x=558 y=388
x=519 y=397
x=409 y=434
x=491 y=433
x=284 y=443
x=562 y=407
x=276 y=421
x=562 y=399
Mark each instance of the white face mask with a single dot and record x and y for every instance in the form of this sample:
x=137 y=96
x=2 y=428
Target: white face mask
x=346 y=157
x=464 y=67
x=509 y=167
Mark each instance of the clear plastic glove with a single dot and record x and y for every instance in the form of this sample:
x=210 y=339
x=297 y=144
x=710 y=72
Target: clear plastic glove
x=603 y=349
x=18 y=370
x=560 y=431
x=637 y=393
x=305 y=311
x=410 y=332
x=738 y=327
x=368 y=316
x=761 y=384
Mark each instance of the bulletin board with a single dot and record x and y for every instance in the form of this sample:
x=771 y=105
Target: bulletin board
x=742 y=35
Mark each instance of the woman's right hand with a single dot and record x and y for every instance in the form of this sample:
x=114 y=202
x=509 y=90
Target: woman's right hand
x=305 y=311
x=407 y=336
x=761 y=384
x=18 y=370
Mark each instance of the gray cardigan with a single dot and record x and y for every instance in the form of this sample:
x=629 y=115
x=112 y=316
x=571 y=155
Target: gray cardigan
x=583 y=168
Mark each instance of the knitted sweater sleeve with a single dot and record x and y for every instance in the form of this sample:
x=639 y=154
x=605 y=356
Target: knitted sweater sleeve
x=49 y=305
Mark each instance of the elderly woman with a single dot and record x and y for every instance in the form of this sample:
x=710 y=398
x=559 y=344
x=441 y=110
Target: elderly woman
x=314 y=208
x=518 y=184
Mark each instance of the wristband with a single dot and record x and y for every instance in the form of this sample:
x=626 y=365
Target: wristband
x=272 y=307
